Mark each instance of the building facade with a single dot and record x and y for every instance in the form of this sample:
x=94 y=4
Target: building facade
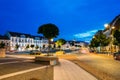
x=22 y=41
x=114 y=25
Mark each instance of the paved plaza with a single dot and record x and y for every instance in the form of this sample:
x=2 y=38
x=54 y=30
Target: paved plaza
x=67 y=70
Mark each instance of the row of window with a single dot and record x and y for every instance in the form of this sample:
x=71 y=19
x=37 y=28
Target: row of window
x=21 y=40
x=25 y=40
x=23 y=36
x=22 y=45
x=35 y=42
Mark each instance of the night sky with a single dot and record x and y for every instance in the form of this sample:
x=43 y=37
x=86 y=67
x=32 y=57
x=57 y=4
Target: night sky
x=76 y=19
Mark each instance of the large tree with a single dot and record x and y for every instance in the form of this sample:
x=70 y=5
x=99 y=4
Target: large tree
x=117 y=37
x=49 y=31
x=94 y=43
x=100 y=39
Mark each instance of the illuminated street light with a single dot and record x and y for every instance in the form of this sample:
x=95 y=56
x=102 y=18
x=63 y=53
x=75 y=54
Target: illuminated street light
x=113 y=27
x=93 y=36
x=106 y=25
x=52 y=39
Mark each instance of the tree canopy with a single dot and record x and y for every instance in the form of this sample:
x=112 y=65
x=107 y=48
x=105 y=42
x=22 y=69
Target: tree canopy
x=49 y=30
x=99 y=39
x=94 y=43
x=37 y=47
x=32 y=46
x=117 y=38
x=17 y=46
x=61 y=42
x=117 y=35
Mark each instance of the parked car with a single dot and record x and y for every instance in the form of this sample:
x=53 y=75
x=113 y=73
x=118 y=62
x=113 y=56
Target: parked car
x=116 y=55
x=35 y=52
x=91 y=51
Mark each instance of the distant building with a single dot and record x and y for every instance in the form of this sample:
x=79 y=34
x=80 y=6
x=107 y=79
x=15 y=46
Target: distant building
x=80 y=44
x=6 y=41
x=23 y=40
x=74 y=44
x=66 y=45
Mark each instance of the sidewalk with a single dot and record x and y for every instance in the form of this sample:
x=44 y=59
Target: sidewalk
x=70 y=71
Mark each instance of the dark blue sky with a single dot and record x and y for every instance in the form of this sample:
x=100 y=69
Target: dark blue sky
x=76 y=19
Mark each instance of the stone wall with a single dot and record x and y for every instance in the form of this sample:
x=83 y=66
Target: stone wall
x=2 y=53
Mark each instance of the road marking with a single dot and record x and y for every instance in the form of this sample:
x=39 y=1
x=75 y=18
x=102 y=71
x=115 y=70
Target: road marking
x=16 y=62
x=9 y=62
x=21 y=72
x=6 y=58
x=21 y=56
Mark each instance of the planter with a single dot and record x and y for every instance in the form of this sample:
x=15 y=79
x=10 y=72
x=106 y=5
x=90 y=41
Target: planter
x=50 y=60
x=2 y=52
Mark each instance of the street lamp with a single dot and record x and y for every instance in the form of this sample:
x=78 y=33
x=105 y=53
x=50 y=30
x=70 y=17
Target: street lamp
x=106 y=25
x=113 y=27
x=93 y=36
x=112 y=38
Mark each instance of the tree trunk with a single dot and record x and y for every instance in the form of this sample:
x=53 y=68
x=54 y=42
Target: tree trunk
x=49 y=41
x=94 y=49
x=100 y=48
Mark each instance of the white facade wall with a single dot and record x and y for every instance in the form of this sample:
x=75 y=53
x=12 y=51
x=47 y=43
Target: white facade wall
x=23 y=42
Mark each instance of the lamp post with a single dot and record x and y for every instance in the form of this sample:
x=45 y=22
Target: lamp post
x=112 y=38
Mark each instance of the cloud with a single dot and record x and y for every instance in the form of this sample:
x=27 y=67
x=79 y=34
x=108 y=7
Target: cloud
x=86 y=34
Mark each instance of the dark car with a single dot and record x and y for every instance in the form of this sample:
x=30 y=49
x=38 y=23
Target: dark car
x=116 y=55
x=91 y=51
x=35 y=52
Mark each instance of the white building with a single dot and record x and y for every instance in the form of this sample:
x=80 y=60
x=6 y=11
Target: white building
x=23 y=40
x=74 y=44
